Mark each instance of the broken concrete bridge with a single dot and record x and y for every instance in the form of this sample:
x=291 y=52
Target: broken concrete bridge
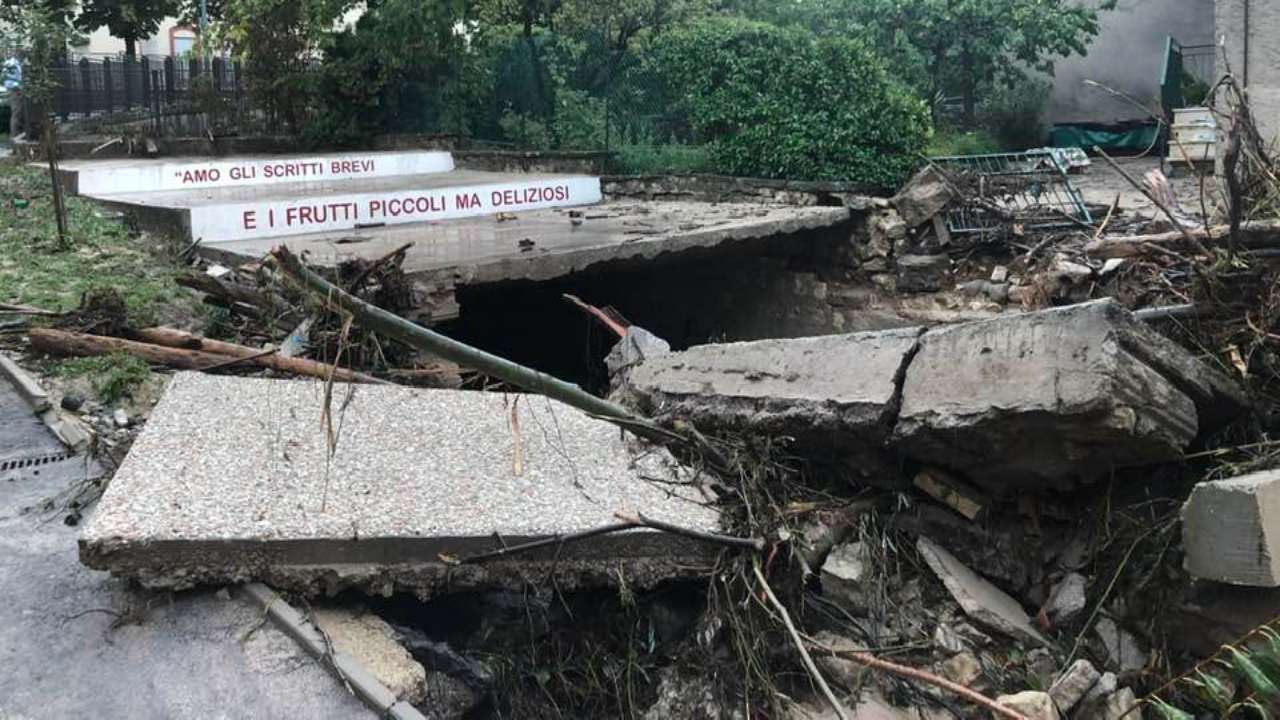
x=1026 y=400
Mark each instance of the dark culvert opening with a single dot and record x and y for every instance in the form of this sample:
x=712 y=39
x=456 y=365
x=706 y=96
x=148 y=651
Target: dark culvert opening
x=529 y=653
x=759 y=290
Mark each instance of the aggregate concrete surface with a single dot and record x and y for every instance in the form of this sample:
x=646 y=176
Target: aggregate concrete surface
x=480 y=250
x=232 y=479
x=188 y=655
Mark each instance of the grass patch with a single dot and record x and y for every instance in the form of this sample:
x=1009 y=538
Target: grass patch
x=113 y=377
x=663 y=160
x=102 y=252
x=955 y=142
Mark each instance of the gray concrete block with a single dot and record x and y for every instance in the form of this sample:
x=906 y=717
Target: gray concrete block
x=1055 y=396
x=232 y=480
x=985 y=603
x=1231 y=530
x=835 y=394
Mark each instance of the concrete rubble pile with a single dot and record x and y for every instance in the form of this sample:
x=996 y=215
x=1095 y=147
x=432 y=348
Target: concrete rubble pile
x=958 y=479
x=1033 y=400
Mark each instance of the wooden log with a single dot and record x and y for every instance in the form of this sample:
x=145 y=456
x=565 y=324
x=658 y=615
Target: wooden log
x=237 y=293
x=1252 y=235
x=62 y=342
x=170 y=337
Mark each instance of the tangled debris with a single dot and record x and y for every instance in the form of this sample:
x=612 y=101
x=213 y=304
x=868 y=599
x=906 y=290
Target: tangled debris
x=898 y=580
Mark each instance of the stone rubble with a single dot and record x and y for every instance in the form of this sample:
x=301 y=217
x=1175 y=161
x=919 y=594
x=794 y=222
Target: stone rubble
x=1072 y=686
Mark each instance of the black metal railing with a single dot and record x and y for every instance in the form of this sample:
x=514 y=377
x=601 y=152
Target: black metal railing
x=150 y=87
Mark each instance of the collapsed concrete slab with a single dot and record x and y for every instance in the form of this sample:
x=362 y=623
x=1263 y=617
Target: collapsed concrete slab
x=1055 y=396
x=835 y=395
x=1231 y=530
x=232 y=480
x=1031 y=399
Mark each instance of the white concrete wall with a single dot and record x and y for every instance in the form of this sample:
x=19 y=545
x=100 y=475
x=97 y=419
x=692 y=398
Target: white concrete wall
x=102 y=42
x=1260 y=69
x=1128 y=55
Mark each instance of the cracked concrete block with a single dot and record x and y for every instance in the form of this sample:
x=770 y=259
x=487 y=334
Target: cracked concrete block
x=232 y=479
x=985 y=603
x=1055 y=397
x=1231 y=530
x=833 y=394
x=370 y=640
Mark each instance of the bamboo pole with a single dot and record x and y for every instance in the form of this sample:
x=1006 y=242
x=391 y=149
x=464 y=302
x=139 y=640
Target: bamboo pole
x=376 y=319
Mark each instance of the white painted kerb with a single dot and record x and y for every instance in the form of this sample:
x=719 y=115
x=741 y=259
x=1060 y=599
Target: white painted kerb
x=297 y=216
x=193 y=174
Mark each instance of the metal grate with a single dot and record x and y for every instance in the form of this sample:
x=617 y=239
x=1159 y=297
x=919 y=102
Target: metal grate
x=1012 y=193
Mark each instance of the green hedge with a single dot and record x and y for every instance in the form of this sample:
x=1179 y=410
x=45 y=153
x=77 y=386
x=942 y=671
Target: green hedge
x=775 y=102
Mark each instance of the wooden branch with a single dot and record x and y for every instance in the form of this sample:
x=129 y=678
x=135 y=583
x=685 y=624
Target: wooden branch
x=807 y=659
x=1252 y=235
x=757 y=544
x=598 y=314
x=213 y=286
x=547 y=542
x=61 y=342
x=626 y=522
x=169 y=337
x=1191 y=240
x=871 y=661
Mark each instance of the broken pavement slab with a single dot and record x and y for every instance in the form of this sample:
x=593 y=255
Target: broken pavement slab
x=834 y=394
x=985 y=603
x=1051 y=397
x=1231 y=530
x=231 y=480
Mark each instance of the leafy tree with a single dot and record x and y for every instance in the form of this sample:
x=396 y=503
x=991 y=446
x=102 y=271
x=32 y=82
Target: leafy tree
x=777 y=102
x=129 y=20
x=619 y=23
x=947 y=47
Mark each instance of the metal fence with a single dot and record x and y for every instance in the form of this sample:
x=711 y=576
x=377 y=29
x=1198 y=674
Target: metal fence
x=154 y=89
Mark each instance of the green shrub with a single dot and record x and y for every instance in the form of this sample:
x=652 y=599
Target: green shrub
x=775 y=102
x=956 y=142
x=1015 y=114
x=670 y=159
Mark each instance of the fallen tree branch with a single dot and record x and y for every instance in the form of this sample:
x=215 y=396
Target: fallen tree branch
x=627 y=522
x=598 y=314
x=169 y=337
x=871 y=661
x=547 y=542
x=1186 y=234
x=1252 y=235
x=62 y=342
x=809 y=665
x=757 y=544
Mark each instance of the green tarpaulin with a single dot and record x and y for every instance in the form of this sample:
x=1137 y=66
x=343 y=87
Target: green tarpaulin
x=1123 y=139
